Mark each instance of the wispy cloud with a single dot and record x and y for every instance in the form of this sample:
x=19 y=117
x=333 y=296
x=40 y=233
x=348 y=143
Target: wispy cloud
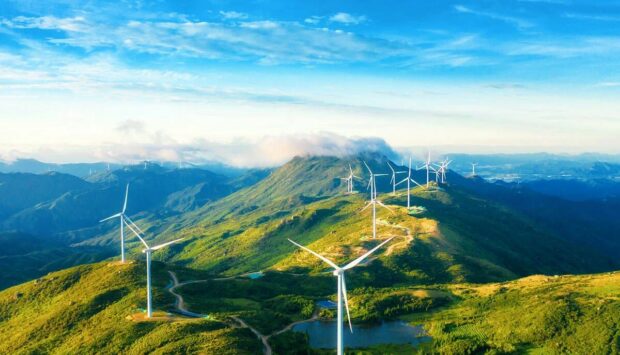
x=575 y=47
x=69 y=24
x=590 y=17
x=518 y=22
x=233 y=15
x=347 y=19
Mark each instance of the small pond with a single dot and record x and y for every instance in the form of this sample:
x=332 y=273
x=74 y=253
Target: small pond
x=323 y=334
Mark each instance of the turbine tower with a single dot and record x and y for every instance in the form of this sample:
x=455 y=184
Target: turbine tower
x=409 y=180
x=428 y=166
x=121 y=215
x=342 y=287
x=372 y=184
x=148 y=251
x=393 y=181
x=473 y=169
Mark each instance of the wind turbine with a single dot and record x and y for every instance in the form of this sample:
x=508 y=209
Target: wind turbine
x=372 y=184
x=122 y=217
x=442 y=170
x=473 y=169
x=342 y=287
x=148 y=251
x=393 y=181
x=428 y=166
x=349 y=180
x=409 y=180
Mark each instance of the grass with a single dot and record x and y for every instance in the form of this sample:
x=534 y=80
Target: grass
x=85 y=310
x=540 y=314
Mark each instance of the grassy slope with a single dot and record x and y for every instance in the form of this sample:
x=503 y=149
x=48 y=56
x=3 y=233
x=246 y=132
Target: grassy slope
x=84 y=309
x=537 y=314
x=461 y=238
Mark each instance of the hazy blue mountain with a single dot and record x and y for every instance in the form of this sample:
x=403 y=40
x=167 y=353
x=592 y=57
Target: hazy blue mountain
x=527 y=167
x=19 y=191
x=577 y=190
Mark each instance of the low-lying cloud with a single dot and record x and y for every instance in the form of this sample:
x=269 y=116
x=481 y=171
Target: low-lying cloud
x=267 y=151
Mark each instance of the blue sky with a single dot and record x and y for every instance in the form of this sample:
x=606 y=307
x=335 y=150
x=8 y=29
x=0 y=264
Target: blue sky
x=201 y=79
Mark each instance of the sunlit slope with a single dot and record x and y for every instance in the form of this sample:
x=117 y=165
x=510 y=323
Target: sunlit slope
x=85 y=309
x=537 y=314
x=460 y=238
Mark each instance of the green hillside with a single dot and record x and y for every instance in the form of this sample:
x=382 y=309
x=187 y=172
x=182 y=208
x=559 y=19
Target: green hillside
x=535 y=315
x=95 y=308
x=460 y=237
x=88 y=309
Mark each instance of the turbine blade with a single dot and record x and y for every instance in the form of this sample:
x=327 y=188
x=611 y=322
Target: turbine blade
x=112 y=216
x=381 y=174
x=137 y=234
x=126 y=195
x=166 y=244
x=367 y=167
x=384 y=206
x=365 y=207
x=361 y=258
x=415 y=182
x=331 y=263
x=346 y=301
x=390 y=165
x=400 y=182
x=134 y=224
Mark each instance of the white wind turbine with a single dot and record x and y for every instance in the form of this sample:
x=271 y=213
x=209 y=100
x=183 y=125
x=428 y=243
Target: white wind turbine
x=443 y=166
x=428 y=166
x=148 y=251
x=409 y=180
x=473 y=169
x=349 y=180
x=122 y=217
x=342 y=287
x=372 y=184
x=393 y=181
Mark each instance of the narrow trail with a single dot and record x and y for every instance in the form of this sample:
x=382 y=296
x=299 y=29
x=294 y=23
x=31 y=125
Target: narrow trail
x=407 y=241
x=182 y=309
x=263 y=338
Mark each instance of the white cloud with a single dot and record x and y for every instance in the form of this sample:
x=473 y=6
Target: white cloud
x=347 y=19
x=262 y=25
x=69 y=24
x=233 y=15
x=313 y=20
x=508 y=19
x=264 y=151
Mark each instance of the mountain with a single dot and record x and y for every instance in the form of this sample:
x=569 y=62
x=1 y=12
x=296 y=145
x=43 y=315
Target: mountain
x=54 y=218
x=461 y=237
x=539 y=166
x=577 y=190
x=34 y=166
x=20 y=191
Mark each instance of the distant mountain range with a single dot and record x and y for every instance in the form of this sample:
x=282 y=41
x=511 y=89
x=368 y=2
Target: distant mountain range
x=475 y=230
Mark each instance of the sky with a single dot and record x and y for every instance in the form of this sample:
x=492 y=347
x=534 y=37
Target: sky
x=253 y=83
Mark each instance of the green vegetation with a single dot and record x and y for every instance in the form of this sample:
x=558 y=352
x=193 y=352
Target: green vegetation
x=88 y=309
x=538 y=314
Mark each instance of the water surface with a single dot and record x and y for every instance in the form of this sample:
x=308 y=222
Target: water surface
x=323 y=334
